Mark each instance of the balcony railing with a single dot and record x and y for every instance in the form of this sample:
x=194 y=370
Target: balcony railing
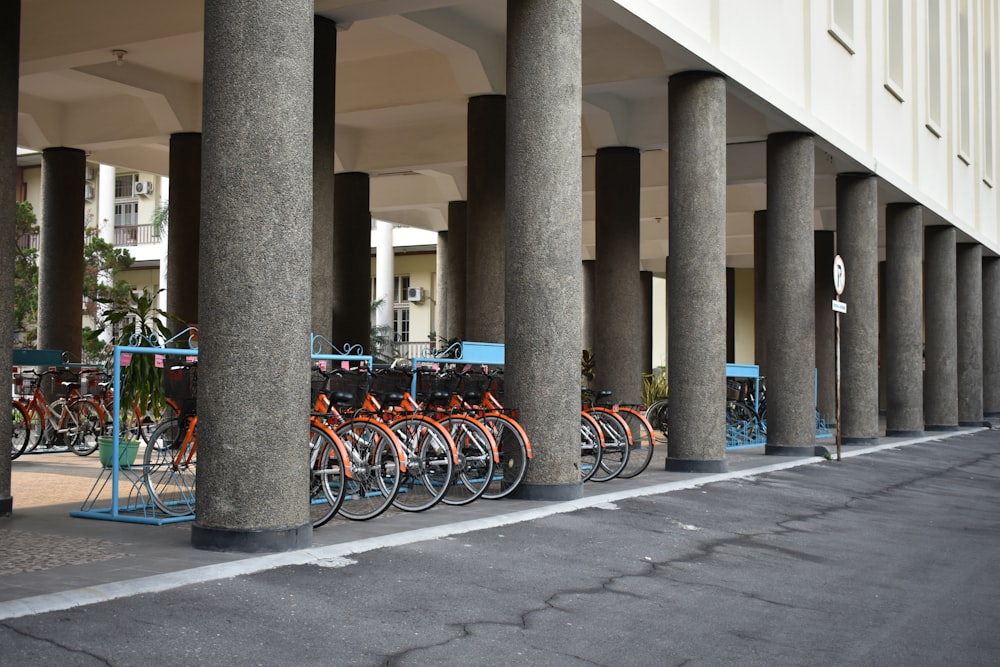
x=131 y=235
x=28 y=242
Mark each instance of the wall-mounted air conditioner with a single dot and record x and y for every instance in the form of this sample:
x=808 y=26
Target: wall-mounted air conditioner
x=142 y=188
x=88 y=191
x=415 y=294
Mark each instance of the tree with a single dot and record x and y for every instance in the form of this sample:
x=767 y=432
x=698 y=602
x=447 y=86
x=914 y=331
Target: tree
x=25 y=276
x=102 y=262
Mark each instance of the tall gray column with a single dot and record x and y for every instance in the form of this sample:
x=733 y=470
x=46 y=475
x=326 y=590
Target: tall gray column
x=697 y=269
x=940 y=330
x=826 y=361
x=10 y=39
x=969 y=306
x=991 y=337
x=183 y=228
x=617 y=299
x=791 y=293
x=441 y=288
x=883 y=400
x=60 y=251
x=484 y=296
x=544 y=238
x=324 y=165
x=253 y=471
x=857 y=241
x=760 y=290
x=352 y=261
x=902 y=346
x=646 y=298
x=588 y=317
x=457 y=263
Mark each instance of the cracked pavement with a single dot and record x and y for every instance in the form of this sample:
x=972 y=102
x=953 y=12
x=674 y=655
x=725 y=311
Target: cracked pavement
x=889 y=558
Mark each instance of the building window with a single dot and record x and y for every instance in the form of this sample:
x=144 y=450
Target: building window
x=988 y=102
x=400 y=287
x=934 y=67
x=842 y=23
x=401 y=324
x=124 y=185
x=895 y=63
x=964 y=83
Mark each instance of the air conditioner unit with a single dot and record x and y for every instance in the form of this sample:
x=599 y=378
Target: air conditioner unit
x=88 y=191
x=142 y=188
x=415 y=294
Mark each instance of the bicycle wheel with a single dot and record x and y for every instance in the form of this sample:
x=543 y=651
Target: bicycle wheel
x=657 y=415
x=513 y=445
x=36 y=426
x=326 y=488
x=430 y=454
x=19 y=430
x=591 y=442
x=88 y=425
x=641 y=450
x=375 y=469
x=168 y=469
x=476 y=448
x=614 y=456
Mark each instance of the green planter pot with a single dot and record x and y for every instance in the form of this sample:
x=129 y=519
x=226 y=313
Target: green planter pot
x=127 y=450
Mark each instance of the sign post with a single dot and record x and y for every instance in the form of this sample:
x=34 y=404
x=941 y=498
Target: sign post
x=839 y=281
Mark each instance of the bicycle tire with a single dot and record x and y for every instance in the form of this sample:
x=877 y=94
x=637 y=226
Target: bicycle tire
x=89 y=425
x=591 y=449
x=36 y=421
x=168 y=470
x=657 y=414
x=641 y=451
x=615 y=451
x=375 y=469
x=19 y=430
x=477 y=451
x=326 y=487
x=430 y=462
x=512 y=443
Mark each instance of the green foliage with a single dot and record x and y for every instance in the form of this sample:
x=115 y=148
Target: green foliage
x=160 y=218
x=25 y=275
x=587 y=367
x=140 y=323
x=654 y=386
x=102 y=262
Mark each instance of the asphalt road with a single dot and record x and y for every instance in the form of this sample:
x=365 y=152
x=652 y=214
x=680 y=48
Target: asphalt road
x=890 y=558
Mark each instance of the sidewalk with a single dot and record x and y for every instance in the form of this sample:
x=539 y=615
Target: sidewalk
x=50 y=560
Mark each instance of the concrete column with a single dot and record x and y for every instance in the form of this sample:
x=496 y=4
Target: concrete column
x=826 y=361
x=183 y=230
x=791 y=293
x=484 y=296
x=617 y=299
x=10 y=39
x=902 y=348
x=324 y=168
x=106 y=202
x=940 y=330
x=646 y=299
x=457 y=275
x=730 y=315
x=543 y=240
x=587 y=311
x=969 y=276
x=60 y=251
x=352 y=260
x=441 y=289
x=991 y=337
x=254 y=296
x=696 y=359
x=760 y=289
x=857 y=241
x=385 y=269
x=883 y=394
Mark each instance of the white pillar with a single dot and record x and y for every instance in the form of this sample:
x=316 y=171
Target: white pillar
x=384 y=272
x=106 y=229
x=161 y=200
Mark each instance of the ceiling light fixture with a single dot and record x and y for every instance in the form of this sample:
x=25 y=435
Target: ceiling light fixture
x=119 y=55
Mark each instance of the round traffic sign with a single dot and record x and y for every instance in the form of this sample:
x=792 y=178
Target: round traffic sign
x=839 y=274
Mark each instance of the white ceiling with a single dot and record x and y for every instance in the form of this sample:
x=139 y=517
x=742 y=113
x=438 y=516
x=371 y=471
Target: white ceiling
x=405 y=71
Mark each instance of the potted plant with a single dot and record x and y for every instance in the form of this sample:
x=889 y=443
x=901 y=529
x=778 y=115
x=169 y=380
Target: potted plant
x=138 y=323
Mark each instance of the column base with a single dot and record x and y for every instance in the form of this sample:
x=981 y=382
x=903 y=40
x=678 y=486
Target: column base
x=251 y=541
x=858 y=440
x=973 y=424
x=696 y=465
x=941 y=427
x=789 y=450
x=525 y=491
x=992 y=415
x=903 y=434
x=6 y=506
